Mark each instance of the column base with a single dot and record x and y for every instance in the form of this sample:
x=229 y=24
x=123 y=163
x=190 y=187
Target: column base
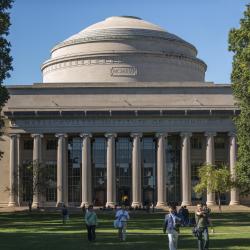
x=35 y=204
x=85 y=204
x=211 y=203
x=234 y=203
x=136 y=204
x=12 y=204
x=59 y=204
x=161 y=204
x=110 y=204
x=186 y=203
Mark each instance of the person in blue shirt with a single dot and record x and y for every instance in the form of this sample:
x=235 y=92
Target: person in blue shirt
x=122 y=217
x=172 y=223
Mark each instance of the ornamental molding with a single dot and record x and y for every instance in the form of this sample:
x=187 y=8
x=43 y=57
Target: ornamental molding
x=121 y=125
x=115 y=37
x=83 y=60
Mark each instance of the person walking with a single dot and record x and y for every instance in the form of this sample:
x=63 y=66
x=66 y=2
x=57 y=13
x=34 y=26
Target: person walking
x=202 y=223
x=172 y=224
x=122 y=217
x=91 y=223
x=65 y=214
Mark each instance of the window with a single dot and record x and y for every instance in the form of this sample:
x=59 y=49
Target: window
x=28 y=144
x=219 y=142
x=173 y=169
x=196 y=142
x=195 y=166
x=74 y=169
x=51 y=144
x=51 y=191
x=27 y=181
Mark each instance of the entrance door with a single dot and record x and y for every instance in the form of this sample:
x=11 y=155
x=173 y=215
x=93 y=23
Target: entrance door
x=124 y=196
x=100 y=197
x=148 y=196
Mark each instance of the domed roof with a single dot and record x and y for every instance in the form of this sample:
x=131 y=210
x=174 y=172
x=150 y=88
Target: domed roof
x=123 y=49
x=118 y=26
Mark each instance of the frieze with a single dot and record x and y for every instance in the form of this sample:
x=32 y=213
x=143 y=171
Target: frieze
x=172 y=59
x=122 y=125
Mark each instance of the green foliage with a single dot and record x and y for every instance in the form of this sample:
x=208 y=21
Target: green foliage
x=240 y=77
x=214 y=179
x=5 y=58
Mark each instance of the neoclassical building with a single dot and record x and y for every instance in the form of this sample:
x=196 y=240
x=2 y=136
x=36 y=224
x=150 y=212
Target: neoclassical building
x=123 y=111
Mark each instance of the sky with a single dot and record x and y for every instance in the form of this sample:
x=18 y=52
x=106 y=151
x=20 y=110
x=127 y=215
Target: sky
x=38 y=25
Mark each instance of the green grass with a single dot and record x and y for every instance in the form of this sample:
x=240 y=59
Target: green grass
x=42 y=231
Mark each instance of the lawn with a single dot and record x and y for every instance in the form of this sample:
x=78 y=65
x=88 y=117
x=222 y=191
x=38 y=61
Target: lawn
x=44 y=231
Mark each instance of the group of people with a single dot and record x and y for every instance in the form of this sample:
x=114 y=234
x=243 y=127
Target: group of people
x=172 y=223
x=120 y=222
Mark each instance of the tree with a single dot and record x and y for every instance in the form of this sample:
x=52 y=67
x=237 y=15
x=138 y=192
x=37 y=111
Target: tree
x=214 y=180
x=5 y=58
x=36 y=179
x=239 y=44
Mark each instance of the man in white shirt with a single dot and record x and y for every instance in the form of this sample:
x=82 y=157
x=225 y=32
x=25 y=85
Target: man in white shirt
x=122 y=217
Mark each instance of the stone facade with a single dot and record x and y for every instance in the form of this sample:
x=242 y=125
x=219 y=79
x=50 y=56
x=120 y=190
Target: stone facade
x=123 y=112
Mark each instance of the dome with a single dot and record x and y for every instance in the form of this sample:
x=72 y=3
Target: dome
x=123 y=49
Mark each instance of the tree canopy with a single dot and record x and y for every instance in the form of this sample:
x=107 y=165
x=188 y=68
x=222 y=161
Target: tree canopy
x=5 y=58
x=239 y=44
x=214 y=179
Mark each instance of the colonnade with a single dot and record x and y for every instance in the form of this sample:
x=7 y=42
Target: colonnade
x=111 y=169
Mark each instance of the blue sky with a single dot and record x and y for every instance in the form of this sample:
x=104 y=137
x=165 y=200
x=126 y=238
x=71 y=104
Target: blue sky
x=37 y=25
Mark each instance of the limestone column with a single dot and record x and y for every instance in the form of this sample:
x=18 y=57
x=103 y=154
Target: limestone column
x=233 y=151
x=136 y=170
x=37 y=160
x=186 y=169
x=111 y=176
x=161 y=169
x=61 y=169
x=13 y=168
x=86 y=170
x=19 y=171
x=210 y=160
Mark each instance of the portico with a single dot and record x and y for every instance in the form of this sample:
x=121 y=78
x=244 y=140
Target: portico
x=160 y=178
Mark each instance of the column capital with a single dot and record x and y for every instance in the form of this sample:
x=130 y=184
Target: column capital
x=186 y=134
x=232 y=134
x=161 y=134
x=13 y=135
x=210 y=133
x=136 y=135
x=36 y=135
x=61 y=135
x=85 y=135
x=110 y=135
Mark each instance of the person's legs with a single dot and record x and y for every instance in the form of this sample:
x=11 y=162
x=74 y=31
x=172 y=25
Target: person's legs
x=89 y=232
x=120 y=233
x=93 y=232
x=200 y=241
x=124 y=231
x=206 y=239
x=175 y=239
x=171 y=242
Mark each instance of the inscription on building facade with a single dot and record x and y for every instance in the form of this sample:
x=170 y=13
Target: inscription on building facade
x=123 y=71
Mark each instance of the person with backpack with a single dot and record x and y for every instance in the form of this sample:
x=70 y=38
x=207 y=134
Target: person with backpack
x=91 y=223
x=172 y=224
x=122 y=217
x=202 y=223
